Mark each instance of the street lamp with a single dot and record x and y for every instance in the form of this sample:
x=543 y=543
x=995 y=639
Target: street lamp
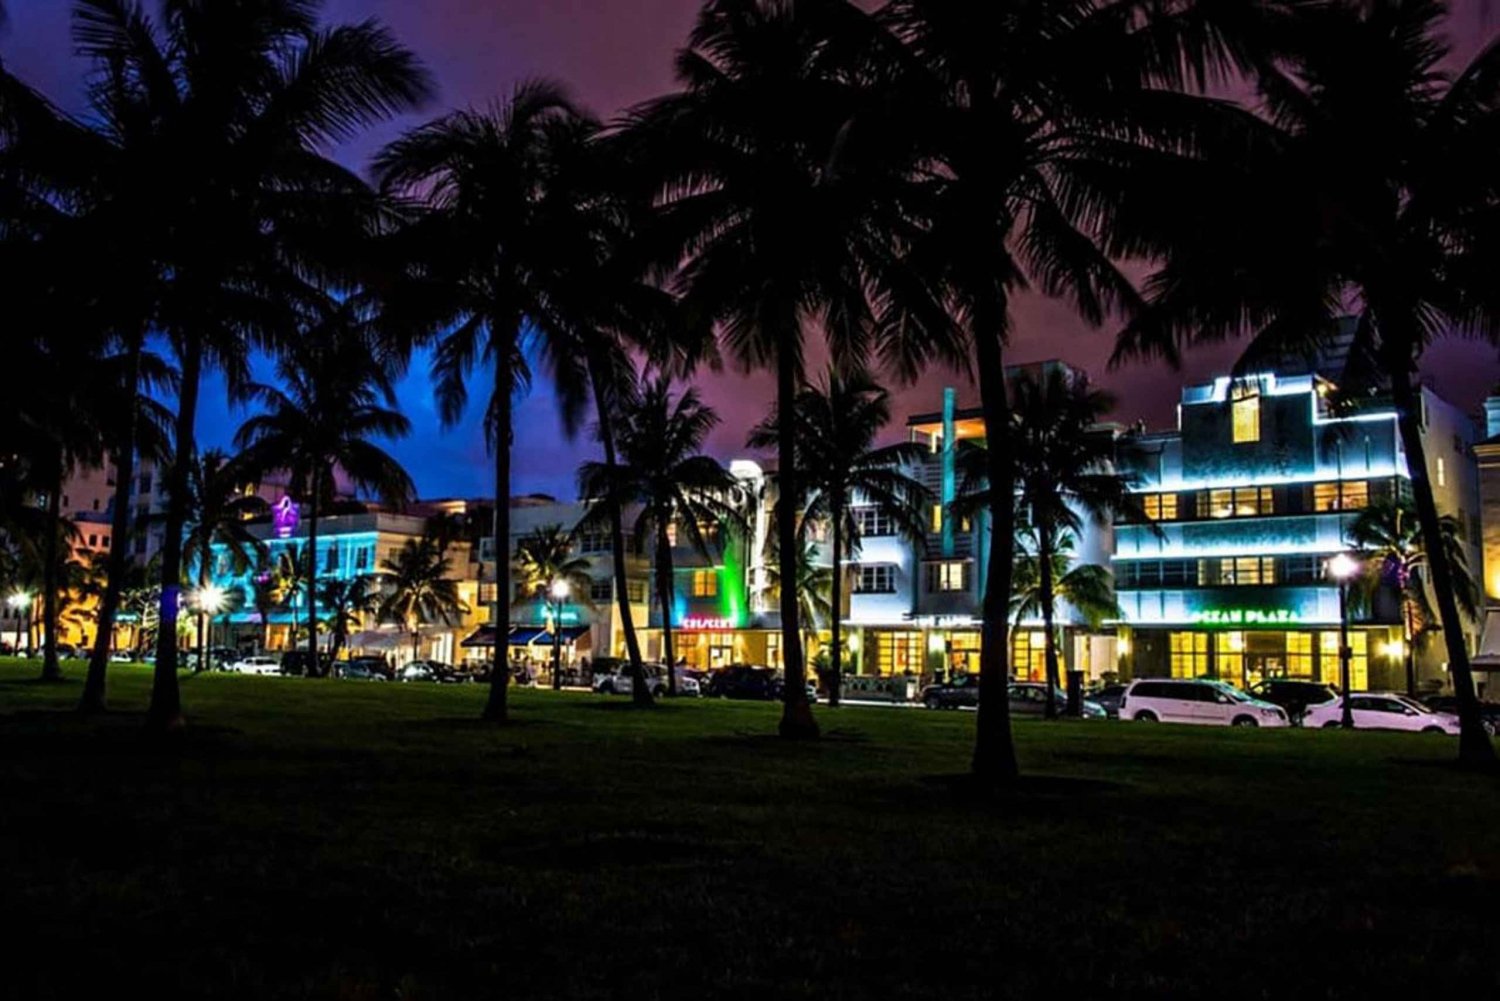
x=209 y=600
x=1343 y=568
x=560 y=591
x=19 y=602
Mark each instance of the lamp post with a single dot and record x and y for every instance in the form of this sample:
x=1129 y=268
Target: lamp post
x=19 y=603
x=560 y=591
x=1342 y=568
x=209 y=599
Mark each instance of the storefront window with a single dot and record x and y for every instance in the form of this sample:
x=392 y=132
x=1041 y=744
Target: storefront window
x=1229 y=657
x=963 y=652
x=720 y=650
x=1029 y=655
x=898 y=652
x=1189 y=655
x=1299 y=655
x=1359 y=660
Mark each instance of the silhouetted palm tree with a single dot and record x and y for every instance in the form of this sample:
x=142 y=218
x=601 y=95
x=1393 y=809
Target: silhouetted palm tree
x=663 y=472
x=489 y=235
x=337 y=397
x=812 y=583
x=218 y=516
x=347 y=603
x=1089 y=589
x=1389 y=538
x=545 y=559
x=836 y=426
x=1365 y=180
x=418 y=588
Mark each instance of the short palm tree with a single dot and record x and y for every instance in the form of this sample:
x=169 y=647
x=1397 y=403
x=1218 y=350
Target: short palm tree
x=418 y=588
x=492 y=224
x=1088 y=589
x=347 y=603
x=836 y=425
x=1389 y=537
x=812 y=584
x=1364 y=182
x=546 y=564
x=337 y=398
x=662 y=472
x=219 y=517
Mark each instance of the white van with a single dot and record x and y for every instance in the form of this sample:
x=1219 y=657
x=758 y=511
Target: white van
x=1202 y=701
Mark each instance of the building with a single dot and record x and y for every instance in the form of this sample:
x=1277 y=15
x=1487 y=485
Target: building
x=1249 y=497
x=1487 y=458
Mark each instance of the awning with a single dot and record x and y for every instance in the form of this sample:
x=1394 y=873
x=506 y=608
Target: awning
x=484 y=636
x=374 y=639
x=1488 y=658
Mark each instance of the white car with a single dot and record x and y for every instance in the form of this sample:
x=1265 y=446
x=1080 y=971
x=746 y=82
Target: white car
x=1381 y=711
x=619 y=682
x=1201 y=701
x=255 y=665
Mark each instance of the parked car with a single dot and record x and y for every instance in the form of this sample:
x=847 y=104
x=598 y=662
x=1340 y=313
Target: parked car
x=1108 y=698
x=1292 y=695
x=747 y=681
x=365 y=669
x=296 y=663
x=958 y=692
x=1201 y=701
x=434 y=671
x=1488 y=711
x=1381 y=711
x=1027 y=698
x=260 y=664
x=619 y=682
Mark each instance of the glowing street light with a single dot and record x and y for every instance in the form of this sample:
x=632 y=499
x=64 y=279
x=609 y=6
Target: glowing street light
x=1343 y=568
x=19 y=602
x=209 y=600
x=560 y=590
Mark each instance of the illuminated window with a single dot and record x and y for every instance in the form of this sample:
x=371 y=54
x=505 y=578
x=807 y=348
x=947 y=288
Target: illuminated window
x=1189 y=655
x=947 y=577
x=1239 y=502
x=898 y=653
x=1160 y=507
x=705 y=584
x=1359 y=660
x=1299 y=655
x=1352 y=496
x=672 y=534
x=1028 y=661
x=872 y=522
x=1247 y=570
x=1442 y=472
x=1229 y=657
x=635 y=590
x=1246 y=416
x=937 y=518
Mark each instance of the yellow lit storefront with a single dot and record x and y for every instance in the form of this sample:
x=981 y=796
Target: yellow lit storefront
x=1246 y=657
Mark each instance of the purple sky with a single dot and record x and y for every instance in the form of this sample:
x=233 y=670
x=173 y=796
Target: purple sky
x=614 y=53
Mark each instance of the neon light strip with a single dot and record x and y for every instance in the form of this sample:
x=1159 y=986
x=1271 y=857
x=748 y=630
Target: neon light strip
x=1364 y=473
x=1296 y=549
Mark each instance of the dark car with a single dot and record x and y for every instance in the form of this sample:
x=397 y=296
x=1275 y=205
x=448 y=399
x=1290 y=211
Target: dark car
x=962 y=690
x=743 y=681
x=296 y=663
x=365 y=669
x=1489 y=712
x=1109 y=698
x=1292 y=695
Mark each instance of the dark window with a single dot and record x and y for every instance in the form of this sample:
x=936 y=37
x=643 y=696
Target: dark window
x=601 y=589
x=872 y=522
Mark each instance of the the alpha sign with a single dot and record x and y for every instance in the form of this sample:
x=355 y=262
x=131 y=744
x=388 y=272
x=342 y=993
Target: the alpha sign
x=1245 y=617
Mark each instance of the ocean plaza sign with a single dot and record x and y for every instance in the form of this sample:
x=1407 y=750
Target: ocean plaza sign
x=1245 y=617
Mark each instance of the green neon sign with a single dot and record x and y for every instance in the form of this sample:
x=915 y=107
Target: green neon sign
x=1245 y=617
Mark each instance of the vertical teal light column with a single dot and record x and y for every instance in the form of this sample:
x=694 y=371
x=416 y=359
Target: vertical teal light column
x=950 y=471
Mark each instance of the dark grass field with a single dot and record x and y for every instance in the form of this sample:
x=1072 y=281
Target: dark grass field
x=321 y=839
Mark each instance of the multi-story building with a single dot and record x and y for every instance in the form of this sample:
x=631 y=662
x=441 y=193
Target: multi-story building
x=1487 y=457
x=1249 y=497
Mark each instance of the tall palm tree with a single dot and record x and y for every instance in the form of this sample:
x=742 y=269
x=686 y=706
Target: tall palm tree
x=1364 y=181
x=221 y=113
x=836 y=425
x=490 y=231
x=772 y=230
x=1089 y=589
x=1389 y=537
x=662 y=471
x=337 y=395
x=347 y=604
x=1018 y=116
x=419 y=588
x=546 y=558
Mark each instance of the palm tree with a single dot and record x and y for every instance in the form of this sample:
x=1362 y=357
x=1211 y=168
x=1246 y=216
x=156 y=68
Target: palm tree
x=337 y=394
x=220 y=114
x=836 y=427
x=812 y=581
x=418 y=588
x=347 y=603
x=1389 y=538
x=545 y=566
x=490 y=231
x=772 y=229
x=1088 y=589
x=1018 y=117
x=662 y=471
x=1363 y=182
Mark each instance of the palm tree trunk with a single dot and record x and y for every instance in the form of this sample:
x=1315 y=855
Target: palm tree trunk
x=603 y=399
x=313 y=670
x=836 y=656
x=51 y=545
x=664 y=593
x=1474 y=747
x=93 y=698
x=1409 y=654
x=1048 y=598
x=202 y=661
x=495 y=708
x=994 y=761
x=797 y=722
x=165 y=711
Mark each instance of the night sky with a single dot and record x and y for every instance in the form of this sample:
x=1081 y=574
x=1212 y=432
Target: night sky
x=614 y=53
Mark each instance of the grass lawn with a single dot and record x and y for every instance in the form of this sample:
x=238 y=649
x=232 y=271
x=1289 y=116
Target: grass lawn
x=325 y=839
